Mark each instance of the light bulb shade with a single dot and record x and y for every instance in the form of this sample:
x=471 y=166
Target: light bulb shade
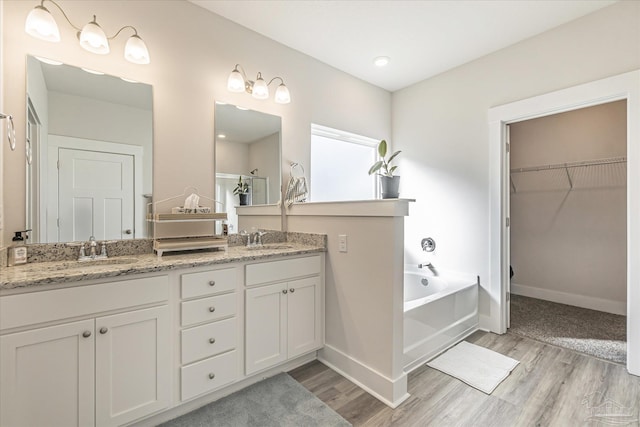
x=260 y=89
x=282 y=95
x=93 y=39
x=235 y=82
x=136 y=51
x=40 y=24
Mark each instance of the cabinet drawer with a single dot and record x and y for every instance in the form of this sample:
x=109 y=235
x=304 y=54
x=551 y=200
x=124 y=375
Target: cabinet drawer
x=208 y=375
x=277 y=271
x=196 y=342
x=208 y=282
x=51 y=305
x=208 y=309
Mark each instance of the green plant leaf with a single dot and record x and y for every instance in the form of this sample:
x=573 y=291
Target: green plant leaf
x=393 y=156
x=376 y=166
x=382 y=148
x=392 y=170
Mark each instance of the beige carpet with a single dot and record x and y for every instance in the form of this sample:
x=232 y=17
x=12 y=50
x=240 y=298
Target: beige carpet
x=599 y=334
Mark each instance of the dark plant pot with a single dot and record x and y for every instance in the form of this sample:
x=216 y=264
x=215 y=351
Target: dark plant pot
x=244 y=199
x=390 y=185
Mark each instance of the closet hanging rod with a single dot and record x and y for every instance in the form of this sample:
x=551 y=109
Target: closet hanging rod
x=610 y=161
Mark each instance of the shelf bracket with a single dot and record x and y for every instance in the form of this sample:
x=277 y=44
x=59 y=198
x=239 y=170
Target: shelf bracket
x=566 y=169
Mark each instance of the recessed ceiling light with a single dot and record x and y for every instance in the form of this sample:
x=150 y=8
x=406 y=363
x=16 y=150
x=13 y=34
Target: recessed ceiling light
x=221 y=103
x=129 y=80
x=222 y=136
x=241 y=108
x=381 y=61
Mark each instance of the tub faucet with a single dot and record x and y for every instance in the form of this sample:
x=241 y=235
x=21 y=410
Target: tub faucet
x=425 y=265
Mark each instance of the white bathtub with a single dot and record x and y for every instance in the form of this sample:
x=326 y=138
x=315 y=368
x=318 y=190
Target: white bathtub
x=439 y=311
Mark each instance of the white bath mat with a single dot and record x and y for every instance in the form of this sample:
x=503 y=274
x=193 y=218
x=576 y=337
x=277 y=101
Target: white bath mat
x=477 y=366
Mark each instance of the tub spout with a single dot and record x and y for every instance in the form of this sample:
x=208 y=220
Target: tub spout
x=425 y=265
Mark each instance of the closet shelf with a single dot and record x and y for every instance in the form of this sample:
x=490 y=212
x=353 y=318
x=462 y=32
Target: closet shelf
x=586 y=163
x=566 y=167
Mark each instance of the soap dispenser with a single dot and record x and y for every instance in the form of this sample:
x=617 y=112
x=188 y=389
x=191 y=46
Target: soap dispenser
x=18 y=249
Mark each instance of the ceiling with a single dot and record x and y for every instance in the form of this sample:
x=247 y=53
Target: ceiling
x=422 y=38
x=242 y=125
x=78 y=82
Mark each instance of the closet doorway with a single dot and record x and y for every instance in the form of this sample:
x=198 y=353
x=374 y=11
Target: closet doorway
x=568 y=229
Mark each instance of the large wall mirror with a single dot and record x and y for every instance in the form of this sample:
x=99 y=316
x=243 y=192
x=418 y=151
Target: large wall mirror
x=89 y=154
x=247 y=147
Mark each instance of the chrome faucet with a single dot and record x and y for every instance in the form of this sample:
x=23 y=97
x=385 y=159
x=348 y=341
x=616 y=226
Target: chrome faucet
x=93 y=245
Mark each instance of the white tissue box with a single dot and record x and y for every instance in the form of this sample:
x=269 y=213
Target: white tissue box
x=182 y=210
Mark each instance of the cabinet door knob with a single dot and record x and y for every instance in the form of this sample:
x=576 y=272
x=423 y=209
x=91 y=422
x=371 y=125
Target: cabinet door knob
x=212 y=309
x=284 y=291
x=212 y=282
x=292 y=290
x=86 y=334
x=212 y=376
x=212 y=340
x=103 y=330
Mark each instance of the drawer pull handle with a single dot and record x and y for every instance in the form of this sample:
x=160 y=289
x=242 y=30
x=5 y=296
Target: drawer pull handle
x=284 y=291
x=212 y=283
x=292 y=290
x=86 y=334
x=212 y=376
x=212 y=309
x=212 y=340
x=103 y=330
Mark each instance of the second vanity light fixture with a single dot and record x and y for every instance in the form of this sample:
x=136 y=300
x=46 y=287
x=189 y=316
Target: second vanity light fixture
x=40 y=24
x=259 y=89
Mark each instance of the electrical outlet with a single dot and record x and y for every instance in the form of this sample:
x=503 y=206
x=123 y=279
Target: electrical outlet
x=342 y=243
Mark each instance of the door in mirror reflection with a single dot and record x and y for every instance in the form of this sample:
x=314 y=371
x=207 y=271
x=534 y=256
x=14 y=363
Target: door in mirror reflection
x=95 y=193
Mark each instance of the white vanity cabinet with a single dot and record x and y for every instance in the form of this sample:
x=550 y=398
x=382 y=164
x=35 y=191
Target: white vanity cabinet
x=103 y=370
x=283 y=319
x=209 y=330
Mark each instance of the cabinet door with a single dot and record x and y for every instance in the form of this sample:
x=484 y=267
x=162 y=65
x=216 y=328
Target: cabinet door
x=304 y=316
x=133 y=371
x=265 y=327
x=47 y=376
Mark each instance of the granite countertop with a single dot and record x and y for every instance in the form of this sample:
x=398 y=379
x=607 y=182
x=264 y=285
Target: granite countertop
x=59 y=272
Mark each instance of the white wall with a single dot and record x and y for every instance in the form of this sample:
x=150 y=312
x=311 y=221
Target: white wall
x=192 y=53
x=236 y=158
x=569 y=244
x=441 y=125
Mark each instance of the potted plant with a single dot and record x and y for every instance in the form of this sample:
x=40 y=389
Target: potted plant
x=388 y=181
x=242 y=190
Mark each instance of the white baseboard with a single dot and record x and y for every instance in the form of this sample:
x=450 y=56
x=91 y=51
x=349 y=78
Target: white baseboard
x=390 y=392
x=600 y=304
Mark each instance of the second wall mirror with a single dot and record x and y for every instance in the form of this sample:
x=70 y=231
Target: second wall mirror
x=247 y=148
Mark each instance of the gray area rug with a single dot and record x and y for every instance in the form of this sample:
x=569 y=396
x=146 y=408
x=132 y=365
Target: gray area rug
x=276 y=401
x=599 y=334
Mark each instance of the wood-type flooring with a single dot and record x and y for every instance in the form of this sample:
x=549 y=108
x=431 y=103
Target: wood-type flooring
x=551 y=386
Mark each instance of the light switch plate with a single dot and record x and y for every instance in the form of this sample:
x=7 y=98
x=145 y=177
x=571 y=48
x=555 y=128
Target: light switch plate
x=342 y=242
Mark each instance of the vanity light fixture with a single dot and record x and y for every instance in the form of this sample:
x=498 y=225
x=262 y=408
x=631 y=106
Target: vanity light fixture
x=259 y=89
x=40 y=24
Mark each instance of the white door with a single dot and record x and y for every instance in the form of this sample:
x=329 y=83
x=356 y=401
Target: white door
x=133 y=369
x=304 y=328
x=47 y=376
x=95 y=195
x=266 y=328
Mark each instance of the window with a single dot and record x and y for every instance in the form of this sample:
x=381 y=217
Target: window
x=340 y=163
